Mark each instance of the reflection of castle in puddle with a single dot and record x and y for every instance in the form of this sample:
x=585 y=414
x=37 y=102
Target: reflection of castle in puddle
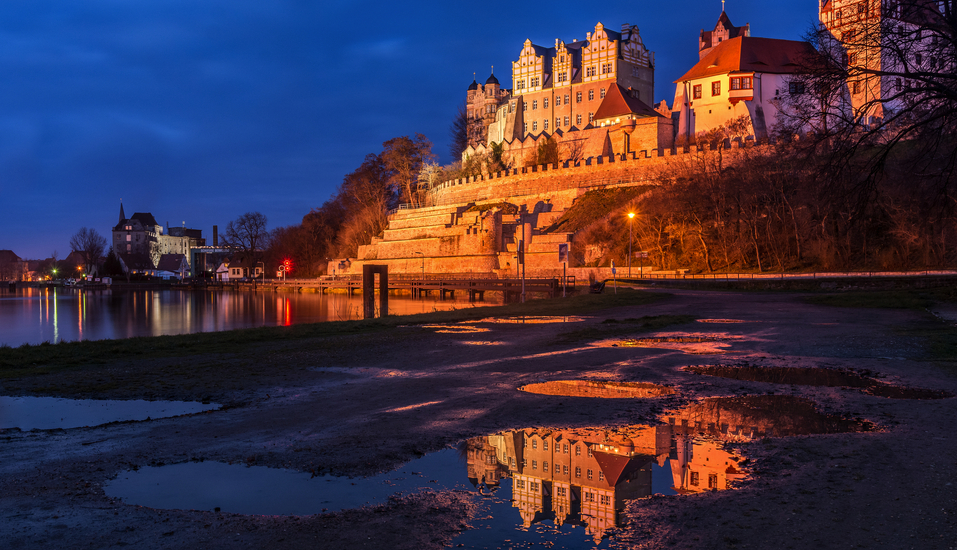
x=584 y=476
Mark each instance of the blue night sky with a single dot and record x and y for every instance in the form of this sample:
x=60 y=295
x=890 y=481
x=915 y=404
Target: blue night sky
x=201 y=110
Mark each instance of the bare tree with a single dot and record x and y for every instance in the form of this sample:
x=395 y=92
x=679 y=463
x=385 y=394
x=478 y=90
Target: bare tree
x=882 y=87
x=403 y=158
x=89 y=244
x=248 y=234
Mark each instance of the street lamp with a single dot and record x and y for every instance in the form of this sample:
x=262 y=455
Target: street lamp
x=631 y=237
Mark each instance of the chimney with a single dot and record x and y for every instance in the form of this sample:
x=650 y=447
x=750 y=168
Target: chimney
x=215 y=236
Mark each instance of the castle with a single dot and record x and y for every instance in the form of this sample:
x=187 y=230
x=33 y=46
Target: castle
x=591 y=96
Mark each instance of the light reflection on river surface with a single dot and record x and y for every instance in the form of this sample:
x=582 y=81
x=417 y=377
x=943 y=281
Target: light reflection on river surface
x=37 y=315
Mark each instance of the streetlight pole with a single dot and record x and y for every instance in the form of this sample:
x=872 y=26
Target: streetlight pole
x=631 y=237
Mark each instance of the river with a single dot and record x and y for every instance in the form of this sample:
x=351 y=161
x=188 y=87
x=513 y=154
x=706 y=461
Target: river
x=37 y=315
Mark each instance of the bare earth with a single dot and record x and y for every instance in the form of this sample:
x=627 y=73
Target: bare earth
x=359 y=405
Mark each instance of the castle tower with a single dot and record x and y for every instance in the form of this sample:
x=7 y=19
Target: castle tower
x=723 y=30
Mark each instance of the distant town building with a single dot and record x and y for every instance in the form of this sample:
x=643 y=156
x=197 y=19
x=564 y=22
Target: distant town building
x=140 y=242
x=12 y=268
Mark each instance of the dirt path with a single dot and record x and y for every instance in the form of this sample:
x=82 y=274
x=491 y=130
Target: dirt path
x=358 y=405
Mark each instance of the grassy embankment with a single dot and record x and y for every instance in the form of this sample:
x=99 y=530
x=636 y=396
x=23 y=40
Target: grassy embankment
x=42 y=359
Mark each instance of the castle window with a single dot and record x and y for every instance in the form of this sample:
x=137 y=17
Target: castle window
x=561 y=491
x=578 y=121
x=565 y=121
x=534 y=443
x=524 y=106
x=558 y=101
x=520 y=483
x=601 y=476
x=545 y=103
x=713 y=481
x=591 y=95
x=558 y=122
x=589 y=496
x=741 y=83
x=855 y=88
x=578 y=471
x=694 y=478
x=578 y=97
x=534 y=464
x=525 y=127
x=566 y=99
x=565 y=470
x=602 y=94
x=545 y=466
x=716 y=88
x=591 y=118
x=590 y=474
x=534 y=104
x=796 y=88
x=533 y=485
x=534 y=125
x=696 y=92
x=606 y=500
x=546 y=127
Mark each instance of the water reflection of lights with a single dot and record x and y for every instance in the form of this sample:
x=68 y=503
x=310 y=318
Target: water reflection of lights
x=598 y=389
x=721 y=321
x=482 y=343
x=455 y=329
x=690 y=343
x=532 y=320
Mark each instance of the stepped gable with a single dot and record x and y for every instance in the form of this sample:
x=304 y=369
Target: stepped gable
x=748 y=54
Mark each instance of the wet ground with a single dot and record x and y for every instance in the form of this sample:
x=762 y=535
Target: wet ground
x=819 y=466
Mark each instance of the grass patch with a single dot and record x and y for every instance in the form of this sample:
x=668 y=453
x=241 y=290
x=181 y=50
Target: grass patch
x=46 y=358
x=611 y=328
x=914 y=298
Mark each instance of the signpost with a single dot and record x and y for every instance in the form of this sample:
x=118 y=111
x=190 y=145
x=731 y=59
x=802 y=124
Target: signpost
x=641 y=255
x=614 y=276
x=563 y=258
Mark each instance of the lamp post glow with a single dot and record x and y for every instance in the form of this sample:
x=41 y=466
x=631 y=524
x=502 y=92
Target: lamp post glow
x=631 y=217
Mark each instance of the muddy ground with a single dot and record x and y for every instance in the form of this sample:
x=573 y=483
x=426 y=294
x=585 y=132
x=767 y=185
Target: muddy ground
x=360 y=404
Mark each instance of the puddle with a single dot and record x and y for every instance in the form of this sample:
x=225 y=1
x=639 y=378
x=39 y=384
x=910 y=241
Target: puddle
x=809 y=376
x=598 y=389
x=455 y=329
x=692 y=344
x=532 y=320
x=755 y=416
x=558 y=488
x=482 y=343
x=50 y=413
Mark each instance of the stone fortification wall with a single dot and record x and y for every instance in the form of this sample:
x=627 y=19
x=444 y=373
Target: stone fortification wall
x=477 y=223
x=585 y=174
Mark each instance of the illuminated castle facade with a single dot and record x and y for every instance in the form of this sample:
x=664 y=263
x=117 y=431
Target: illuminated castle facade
x=590 y=95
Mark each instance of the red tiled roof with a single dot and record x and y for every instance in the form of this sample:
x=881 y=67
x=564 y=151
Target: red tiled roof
x=618 y=101
x=751 y=54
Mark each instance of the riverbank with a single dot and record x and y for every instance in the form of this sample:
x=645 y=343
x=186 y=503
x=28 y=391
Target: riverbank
x=367 y=396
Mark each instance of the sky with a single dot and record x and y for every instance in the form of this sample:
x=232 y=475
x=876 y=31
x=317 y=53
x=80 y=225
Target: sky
x=201 y=110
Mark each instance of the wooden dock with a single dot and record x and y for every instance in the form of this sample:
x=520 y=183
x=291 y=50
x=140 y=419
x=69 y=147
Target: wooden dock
x=445 y=286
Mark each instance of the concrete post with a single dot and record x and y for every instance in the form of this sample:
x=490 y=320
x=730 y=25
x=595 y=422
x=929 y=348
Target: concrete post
x=368 y=290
